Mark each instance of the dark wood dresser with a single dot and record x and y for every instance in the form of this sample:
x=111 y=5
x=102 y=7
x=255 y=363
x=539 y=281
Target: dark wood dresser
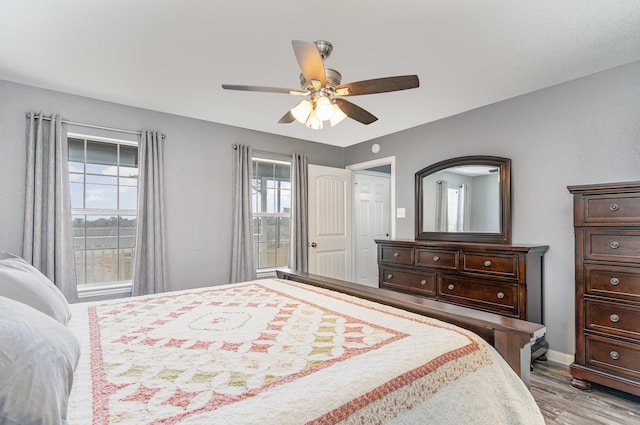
x=499 y=278
x=607 y=273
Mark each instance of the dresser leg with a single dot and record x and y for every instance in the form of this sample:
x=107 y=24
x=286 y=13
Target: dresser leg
x=580 y=384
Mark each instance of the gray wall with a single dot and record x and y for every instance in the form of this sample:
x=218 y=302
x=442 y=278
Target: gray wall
x=584 y=131
x=198 y=174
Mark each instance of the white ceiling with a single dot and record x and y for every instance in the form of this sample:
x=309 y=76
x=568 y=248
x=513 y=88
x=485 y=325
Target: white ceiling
x=172 y=56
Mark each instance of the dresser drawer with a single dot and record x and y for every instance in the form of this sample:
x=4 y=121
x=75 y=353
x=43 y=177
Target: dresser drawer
x=612 y=245
x=419 y=283
x=616 y=356
x=495 y=297
x=503 y=265
x=437 y=258
x=612 y=281
x=396 y=255
x=613 y=318
x=619 y=209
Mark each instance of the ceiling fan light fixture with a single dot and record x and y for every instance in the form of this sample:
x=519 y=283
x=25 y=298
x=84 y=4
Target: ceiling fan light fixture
x=302 y=111
x=324 y=108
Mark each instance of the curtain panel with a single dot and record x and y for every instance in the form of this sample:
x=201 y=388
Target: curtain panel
x=150 y=274
x=48 y=231
x=242 y=252
x=298 y=254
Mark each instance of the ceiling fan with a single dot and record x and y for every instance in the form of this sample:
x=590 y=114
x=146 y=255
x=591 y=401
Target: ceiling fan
x=323 y=91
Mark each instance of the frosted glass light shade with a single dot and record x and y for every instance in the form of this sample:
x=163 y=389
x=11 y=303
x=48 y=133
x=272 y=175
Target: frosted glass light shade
x=301 y=111
x=338 y=115
x=324 y=108
x=313 y=122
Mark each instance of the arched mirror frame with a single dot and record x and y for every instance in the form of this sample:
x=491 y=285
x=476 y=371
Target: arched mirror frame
x=504 y=234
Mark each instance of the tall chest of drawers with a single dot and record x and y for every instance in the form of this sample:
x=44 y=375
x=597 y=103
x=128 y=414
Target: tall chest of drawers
x=607 y=274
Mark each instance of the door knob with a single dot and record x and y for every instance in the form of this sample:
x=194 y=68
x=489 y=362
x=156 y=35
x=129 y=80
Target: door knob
x=313 y=244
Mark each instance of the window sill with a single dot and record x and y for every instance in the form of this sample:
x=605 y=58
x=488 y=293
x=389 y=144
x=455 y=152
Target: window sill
x=266 y=273
x=104 y=290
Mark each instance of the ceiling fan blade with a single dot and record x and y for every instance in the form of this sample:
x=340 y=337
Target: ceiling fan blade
x=287 y=118
x=310 y=61
x=355 y=112
x=378 y=85
x=262 y=89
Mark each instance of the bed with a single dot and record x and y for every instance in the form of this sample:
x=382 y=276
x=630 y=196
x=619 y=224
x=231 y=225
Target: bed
x=299 y=349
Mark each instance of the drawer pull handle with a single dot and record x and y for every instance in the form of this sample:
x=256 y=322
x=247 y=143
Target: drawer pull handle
x=614 y=245
x=396 y=255
x=614 y=207
x=614 y=281
x=389 y=276
x=614 y=318
x=423 y=282
x=500 y=295
x=450 y=287
x=487 y=263
x=614 y=355
x=436 y=258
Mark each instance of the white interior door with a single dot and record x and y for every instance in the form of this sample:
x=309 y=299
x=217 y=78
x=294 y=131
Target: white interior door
x=330 y=222
x=371 y=221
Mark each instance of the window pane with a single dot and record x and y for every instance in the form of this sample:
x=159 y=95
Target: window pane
x=102 y=153
x=77 y=193
x=129 y=156
x=283 y=171
x=127 y=231
x=76 y=150
x=264 y=169
x=128 y=197
x=285 y=201
x=101 y=196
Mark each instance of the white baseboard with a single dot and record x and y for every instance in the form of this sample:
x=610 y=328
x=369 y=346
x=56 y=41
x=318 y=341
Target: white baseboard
x=559 y=357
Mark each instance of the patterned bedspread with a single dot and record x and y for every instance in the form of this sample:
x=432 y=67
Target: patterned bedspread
x=280 y=352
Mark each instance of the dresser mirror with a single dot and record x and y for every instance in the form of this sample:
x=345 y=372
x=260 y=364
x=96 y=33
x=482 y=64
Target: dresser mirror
x=465 y=199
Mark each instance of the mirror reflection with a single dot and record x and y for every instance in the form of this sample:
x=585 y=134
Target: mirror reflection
x=462 y=199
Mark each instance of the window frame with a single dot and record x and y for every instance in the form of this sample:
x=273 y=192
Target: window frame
x=111 y=288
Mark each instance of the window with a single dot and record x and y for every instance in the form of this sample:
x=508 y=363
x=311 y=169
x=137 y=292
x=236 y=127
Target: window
x=103 y=180
x=271 y=206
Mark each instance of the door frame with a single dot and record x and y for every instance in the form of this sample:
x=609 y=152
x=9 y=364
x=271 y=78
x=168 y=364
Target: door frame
x=389 y=160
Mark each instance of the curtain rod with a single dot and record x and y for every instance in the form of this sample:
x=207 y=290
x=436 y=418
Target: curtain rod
x=284 y=155
x=99 y=127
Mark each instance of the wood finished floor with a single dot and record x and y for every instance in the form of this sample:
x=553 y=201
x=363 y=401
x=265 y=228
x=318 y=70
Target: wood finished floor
x=560 y=403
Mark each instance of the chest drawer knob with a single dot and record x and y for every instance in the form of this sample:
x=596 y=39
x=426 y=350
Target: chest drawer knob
x=614 y=245
x=423 y=282
x=614 y=355
x=614 y=281
x=436 y=258
x=614 y=207
x=500 y=295
x=389 y=276
x=614 y=318
x=450 y=287
x=396 y=255
x=487 y=263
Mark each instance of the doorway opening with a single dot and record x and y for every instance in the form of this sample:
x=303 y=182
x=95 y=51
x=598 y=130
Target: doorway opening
x=372 y=217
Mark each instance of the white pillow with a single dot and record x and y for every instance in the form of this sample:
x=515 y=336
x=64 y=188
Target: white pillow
x=38 y=356
x=22 y=282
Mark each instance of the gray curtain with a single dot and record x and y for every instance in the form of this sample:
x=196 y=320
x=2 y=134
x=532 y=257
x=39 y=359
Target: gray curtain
x=298 y=255
x=150 y=274
x=48 y=232
x=242 y=257
x=442 y=206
